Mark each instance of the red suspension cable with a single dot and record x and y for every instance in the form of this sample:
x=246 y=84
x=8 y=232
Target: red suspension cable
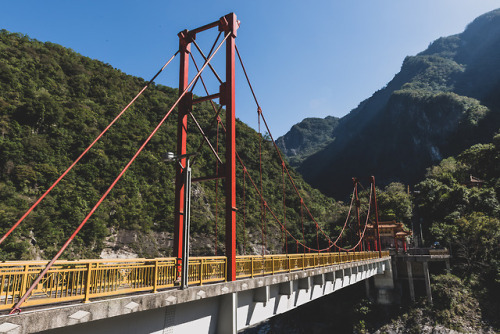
x=85 y=151
x=274 y=143
x=317 y=238
x=302 y=223
x=366 y=224
x=264 y=243
x=284 y=204
x=216 y=189
x=244 y=212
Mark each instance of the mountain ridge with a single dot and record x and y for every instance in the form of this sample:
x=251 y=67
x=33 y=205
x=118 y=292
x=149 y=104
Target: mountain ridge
x=457 y=76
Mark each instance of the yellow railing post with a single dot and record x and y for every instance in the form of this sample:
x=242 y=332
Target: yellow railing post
x=201 y=271
x=155 y=277
x=225 y=269
x=87 y=283
x=252 y=266
x=24 y=281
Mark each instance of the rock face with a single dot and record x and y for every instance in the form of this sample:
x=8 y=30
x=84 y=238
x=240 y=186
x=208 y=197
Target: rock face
x=442 y=101
x=126 y=244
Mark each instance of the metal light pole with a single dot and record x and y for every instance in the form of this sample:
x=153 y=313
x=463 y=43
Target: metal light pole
x=187 y=214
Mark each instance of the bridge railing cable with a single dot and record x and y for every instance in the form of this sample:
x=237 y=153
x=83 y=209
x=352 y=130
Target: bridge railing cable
x=35 y=283
x=85 y=151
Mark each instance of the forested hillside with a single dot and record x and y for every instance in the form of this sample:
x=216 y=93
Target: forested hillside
x=464 y=218
x=54 y=102
x=442 y=101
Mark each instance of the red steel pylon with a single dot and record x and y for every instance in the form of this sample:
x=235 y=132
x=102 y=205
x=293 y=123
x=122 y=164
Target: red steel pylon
x=227 y=24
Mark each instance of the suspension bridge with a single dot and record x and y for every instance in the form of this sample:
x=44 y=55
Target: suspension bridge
x=215 y=294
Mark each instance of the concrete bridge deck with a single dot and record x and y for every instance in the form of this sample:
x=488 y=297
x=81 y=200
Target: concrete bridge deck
x=225 y=307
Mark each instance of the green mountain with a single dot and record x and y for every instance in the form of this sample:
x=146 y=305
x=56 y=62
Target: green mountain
x=54 y=102
x=307 y=137
x=442 y=101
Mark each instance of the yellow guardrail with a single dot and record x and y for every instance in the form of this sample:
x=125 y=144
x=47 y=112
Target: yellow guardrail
x=85 y=279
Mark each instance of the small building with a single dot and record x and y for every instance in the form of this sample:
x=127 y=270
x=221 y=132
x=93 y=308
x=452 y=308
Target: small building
x=392 y=235
x=474 y=182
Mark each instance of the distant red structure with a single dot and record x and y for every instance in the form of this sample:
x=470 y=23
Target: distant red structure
x=392 y=234
x=474 y=182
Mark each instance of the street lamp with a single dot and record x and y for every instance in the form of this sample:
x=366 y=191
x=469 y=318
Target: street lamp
x=171 y=157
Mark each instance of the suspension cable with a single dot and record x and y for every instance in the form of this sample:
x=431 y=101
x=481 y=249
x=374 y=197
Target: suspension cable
x=244 y=212
x=284 y=204
x=262 y=208
x=366 y=224
x=217 y=190
x=85 y=151
x=302 y=223
x=262 y=198
x=274 y=142
x=264 y=243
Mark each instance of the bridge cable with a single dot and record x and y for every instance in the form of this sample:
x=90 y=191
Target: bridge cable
x=331 y=244
x=49 y=265
x=276 y=218
x=217 y=189
x=259 y=194
x=284 y=205
x=272 y=213
x=317 y=238
x=278 y=221
x=277 y=149
x=239 y=158
x=334 y=243
x=366 y=224
x=358 y=204
x=85 y=151
x=273 y=141
x=262 y=207
x=244 y=212
x=264 y=226
x=302 y=223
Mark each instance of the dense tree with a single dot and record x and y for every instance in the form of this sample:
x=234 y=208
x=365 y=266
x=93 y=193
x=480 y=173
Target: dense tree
x=54 y=102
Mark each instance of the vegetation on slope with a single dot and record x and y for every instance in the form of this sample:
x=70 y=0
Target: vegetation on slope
x=54 y=102
x=466 y=220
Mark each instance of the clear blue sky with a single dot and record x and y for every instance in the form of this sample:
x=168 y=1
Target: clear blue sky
x=305 y=58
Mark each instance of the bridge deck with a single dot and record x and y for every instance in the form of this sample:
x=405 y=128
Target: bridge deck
x=86 y=279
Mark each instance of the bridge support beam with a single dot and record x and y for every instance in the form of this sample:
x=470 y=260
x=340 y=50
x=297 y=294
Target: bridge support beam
x=305 y=283
x=339 y=279
x=410 y=280
x=228 y=314
x=184 y=108
x=261 y=295
x=230 y=26
x=427 y=280
x=384 y=283
x=286 y=288
x=319 y=279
